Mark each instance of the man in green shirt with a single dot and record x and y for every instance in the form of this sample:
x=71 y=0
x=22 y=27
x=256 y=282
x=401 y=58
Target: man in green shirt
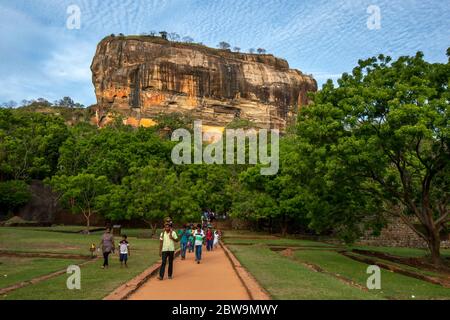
x=167 y=250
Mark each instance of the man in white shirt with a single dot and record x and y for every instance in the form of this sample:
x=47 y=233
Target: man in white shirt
x=199 y=236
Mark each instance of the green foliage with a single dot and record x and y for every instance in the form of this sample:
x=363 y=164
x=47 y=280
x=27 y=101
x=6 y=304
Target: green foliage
x=13 y=195
x=82 y=193
x=241 y=124
x=278 y=199
x=379 y=143
x=156 y=191
x=111 y=152
x=29 y=144
x=173 y=121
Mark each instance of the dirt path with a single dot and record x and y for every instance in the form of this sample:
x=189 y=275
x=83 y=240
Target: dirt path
x=213 y=279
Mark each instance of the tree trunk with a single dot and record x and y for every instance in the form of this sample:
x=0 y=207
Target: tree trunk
x=88 y=224
x=284 y=226
x=88 y=221
x=154 y=226
x=434 y=245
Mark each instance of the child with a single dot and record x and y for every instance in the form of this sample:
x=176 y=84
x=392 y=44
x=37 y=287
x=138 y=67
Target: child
x=191 y=240
x=216 y=238
x=199 y=236
x=124 y=250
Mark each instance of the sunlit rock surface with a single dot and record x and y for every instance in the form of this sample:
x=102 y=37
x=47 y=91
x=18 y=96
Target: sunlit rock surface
x=142 y=77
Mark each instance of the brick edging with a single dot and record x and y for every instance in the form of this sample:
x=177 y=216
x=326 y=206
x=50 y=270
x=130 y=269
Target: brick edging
x=253 y=288
x=126 y=290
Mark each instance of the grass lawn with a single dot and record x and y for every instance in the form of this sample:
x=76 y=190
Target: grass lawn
x=403 y=252
x=17 y=269
x=287 y=278
x=130 y=232
x=96 y=283
x=393 y=285
x=61 y=228
x=277 y=242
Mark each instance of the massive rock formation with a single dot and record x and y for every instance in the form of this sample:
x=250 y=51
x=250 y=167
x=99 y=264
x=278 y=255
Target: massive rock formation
x=142 y=77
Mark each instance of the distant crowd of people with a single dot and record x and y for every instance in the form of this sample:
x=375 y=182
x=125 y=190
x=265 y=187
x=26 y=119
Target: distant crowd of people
x=192 y=239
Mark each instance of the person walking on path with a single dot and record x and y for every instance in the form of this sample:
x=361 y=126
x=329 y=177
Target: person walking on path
x=199 y=237
x=209 y=239
x=191 y=239
x=216 y=239
x=184 y=235
x=167 y=250
x=107 y=245
x=124 y=251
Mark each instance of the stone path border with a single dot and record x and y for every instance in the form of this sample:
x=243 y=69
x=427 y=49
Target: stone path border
x=253 y=288
x=126 y=290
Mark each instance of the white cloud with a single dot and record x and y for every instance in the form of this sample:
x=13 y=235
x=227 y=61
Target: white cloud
x=71 y=62
x=40 y=57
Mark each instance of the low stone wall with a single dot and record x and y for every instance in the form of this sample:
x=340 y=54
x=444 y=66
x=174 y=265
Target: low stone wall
x=397 y=234
x=240 y=224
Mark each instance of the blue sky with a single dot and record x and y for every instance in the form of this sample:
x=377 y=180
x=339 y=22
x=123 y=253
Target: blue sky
x=41 y=57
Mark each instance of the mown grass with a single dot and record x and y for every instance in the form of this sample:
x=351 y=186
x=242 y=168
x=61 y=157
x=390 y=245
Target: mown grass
x=393 y=285
x=277 y=242
x=15 y=270
x=96 y=283
x=285 y=279
x=402 y=252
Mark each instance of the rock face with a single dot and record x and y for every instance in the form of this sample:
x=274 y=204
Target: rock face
x=142 y=77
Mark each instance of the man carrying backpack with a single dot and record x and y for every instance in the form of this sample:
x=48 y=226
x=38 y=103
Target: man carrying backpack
x=167 y=250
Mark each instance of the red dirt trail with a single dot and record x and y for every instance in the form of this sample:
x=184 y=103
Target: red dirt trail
x=213 y=279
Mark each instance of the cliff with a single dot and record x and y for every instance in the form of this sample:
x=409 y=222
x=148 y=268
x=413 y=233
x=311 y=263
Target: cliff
x=141 y=77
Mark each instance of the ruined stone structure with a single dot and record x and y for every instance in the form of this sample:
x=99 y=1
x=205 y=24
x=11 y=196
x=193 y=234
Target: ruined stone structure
x=398 y=234
x=141 y=77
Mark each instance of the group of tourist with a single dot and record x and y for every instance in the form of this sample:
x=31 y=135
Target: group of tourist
x=192 y=238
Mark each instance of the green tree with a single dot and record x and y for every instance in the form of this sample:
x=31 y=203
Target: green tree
x=224 y=45
x=29 y=144
x=111 y=152
x=82 y=193
x=13 y=195
x=378 y=145
x=155 y=193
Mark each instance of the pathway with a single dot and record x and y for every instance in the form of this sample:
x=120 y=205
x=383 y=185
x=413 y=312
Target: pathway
x=213 y=279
